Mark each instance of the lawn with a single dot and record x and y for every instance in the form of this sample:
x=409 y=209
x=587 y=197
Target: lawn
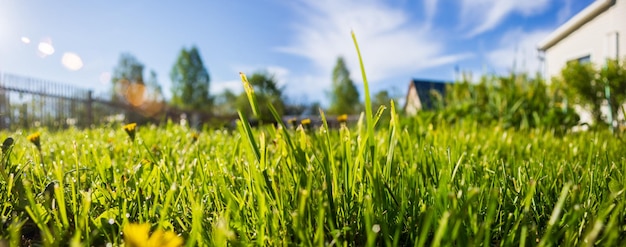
x=392 y=181
x=423 y=185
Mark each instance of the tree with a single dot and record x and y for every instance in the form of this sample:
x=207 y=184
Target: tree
x=127 y=79
x=381 y=98
x=267 y=92
x=344 y=98
x=190 y=81
x=226 y=104
x=586 y=85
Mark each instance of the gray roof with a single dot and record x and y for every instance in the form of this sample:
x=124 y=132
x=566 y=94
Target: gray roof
x=424 y=87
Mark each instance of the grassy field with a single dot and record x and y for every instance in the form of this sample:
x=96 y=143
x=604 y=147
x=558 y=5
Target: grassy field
x=419 y=185
x=409 y=183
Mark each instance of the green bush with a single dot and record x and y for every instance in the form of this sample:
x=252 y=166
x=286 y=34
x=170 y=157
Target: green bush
x=586 y=84
x=513 y=101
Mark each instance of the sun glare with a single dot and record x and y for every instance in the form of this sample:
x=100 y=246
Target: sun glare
x=45 y=48
x=72 y=61
x=105 y=77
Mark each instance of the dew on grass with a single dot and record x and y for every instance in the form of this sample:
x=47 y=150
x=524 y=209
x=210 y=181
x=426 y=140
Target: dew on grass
x=376 y=228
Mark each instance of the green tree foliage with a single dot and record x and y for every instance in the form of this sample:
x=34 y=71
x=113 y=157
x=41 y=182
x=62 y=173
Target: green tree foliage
x=130 y=88
x=267 y=92
x=585 y=84
x=226 y=104
x=126 y=76
x=514 y=101
x=190 y=81
x=382 y=98
x=344 y=97
x=154 y=92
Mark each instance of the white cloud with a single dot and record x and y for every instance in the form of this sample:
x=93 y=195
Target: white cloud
x=565 y=12
x=430 y=9
x=280 y=73
x=234 y=86
x=389 y=43
x=484 y=15
x=520 y=48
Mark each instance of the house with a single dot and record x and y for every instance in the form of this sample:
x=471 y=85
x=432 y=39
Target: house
x=596 y=33
x=420 y=95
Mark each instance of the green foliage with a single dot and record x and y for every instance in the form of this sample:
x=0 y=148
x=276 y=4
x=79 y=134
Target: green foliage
x=344 y=97
x=382 y=98
x=514 y=101
x=586 y=83
x=225 y=104
x=448 y=185
x=267 y=92
x=133 y=92
x=190 y=82
x=127 y=74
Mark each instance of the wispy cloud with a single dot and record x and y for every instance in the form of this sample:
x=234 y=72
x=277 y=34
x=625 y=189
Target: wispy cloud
x=390 y=43
x=565 y=12
x=280 y=73
x=430 y=9
x=517 y=50
x=234 y=86
x=484 y=15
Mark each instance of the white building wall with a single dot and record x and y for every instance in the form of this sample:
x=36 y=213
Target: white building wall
x=601 y=37
x=413 y=102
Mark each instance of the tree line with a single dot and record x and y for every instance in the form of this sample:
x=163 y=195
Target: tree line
x=191 y=89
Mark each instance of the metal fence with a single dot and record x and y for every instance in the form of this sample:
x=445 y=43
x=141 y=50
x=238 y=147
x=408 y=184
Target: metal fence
x=31 y=103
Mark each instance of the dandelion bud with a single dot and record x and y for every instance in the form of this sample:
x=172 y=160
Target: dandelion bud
x=342 y=118
x=7 y=144
x=130 y=130
x=306 y=123
x=35 y=139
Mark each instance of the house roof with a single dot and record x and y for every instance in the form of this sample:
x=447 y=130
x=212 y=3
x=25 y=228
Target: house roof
x=593 y=10
x=424 y=87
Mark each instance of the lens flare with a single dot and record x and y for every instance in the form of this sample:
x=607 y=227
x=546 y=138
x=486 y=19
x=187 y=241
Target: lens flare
x=46 y=48
x=72 y=61
x=25 y=40
x=147 y=101
x=105 y=77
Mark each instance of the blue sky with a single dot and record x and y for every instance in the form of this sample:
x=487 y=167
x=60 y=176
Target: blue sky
x=299 y=41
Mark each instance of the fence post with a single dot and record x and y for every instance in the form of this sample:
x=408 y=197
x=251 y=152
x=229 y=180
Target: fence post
x=89 y=108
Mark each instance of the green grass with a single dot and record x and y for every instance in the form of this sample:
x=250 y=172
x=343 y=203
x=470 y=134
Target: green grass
x=440 y=186
x=407 y=184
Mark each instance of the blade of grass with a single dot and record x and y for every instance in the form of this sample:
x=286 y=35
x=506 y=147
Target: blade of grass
x=368 y=101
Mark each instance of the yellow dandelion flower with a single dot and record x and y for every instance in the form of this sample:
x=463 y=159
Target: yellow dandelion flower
x=342 y=118
x=194 y=136
x=130 y=130
x=293 y=121
x=138 y=235
x=306 y=123
x=35 y=139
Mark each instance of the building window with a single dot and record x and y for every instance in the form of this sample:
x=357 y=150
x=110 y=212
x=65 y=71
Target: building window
x=585 y=59
x=581 y=60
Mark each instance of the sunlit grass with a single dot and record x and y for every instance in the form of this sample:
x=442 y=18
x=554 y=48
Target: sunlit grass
x=407 y=184
x=447 y=185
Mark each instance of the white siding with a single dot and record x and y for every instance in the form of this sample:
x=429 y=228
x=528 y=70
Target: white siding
x=601 y=37
x=413 y=103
